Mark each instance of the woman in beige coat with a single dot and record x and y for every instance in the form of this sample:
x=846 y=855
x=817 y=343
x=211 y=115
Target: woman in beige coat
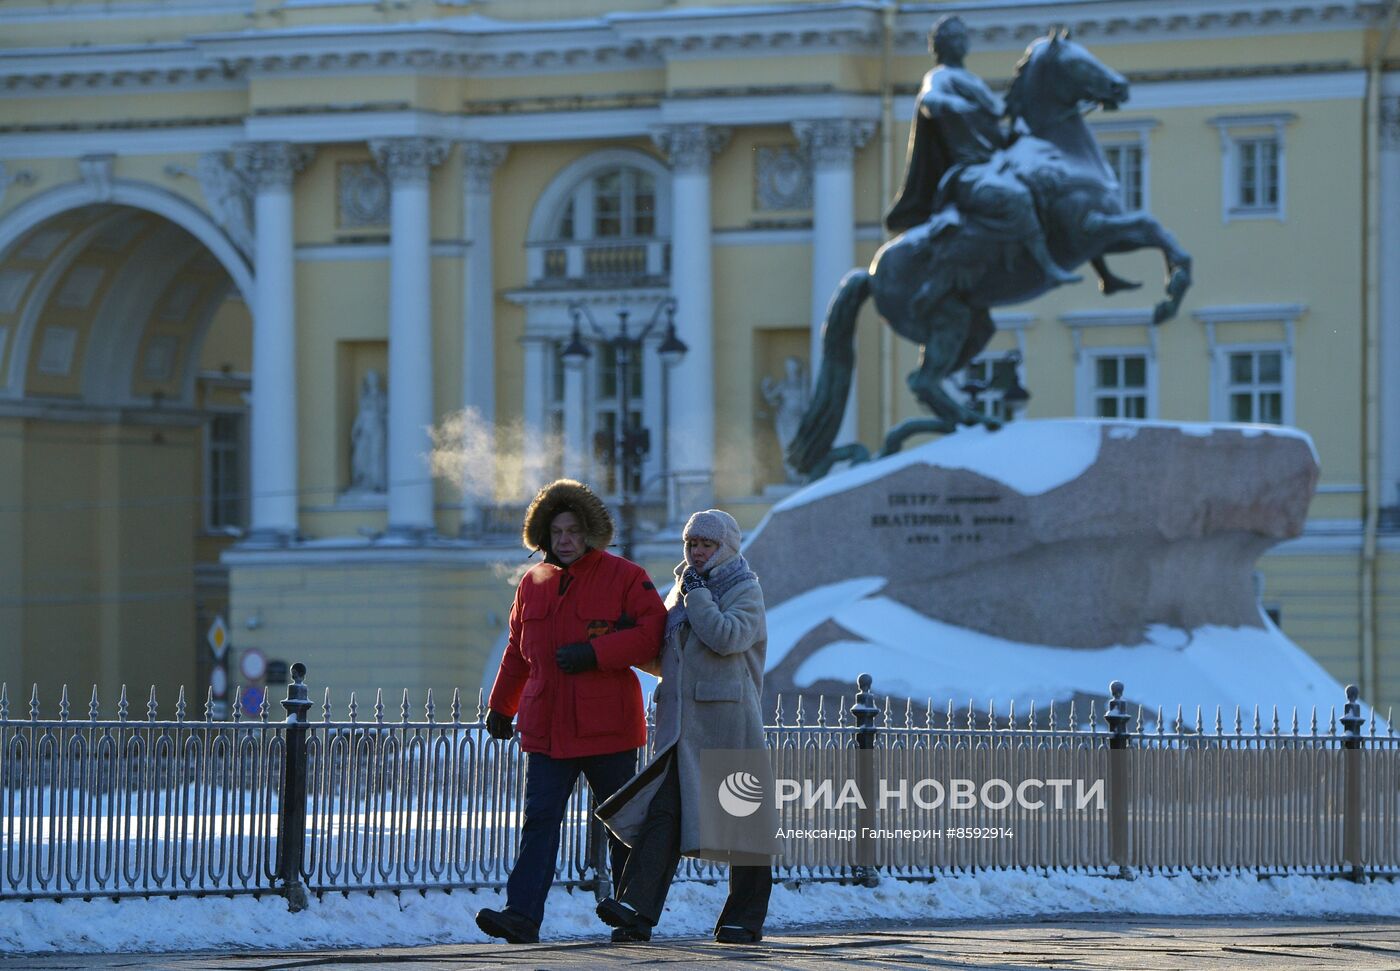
x=711 y=667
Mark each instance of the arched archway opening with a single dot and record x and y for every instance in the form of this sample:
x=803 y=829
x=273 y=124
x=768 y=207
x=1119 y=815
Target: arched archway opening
x=125 y=358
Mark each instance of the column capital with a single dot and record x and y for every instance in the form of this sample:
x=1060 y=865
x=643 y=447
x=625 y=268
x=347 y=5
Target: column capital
x=1390 y=124
x=832 y=141
x=408 y=159
x=271 y=164
x=479 y=163
x=690 y=147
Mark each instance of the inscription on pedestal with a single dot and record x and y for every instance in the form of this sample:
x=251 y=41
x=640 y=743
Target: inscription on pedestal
x=932 y=519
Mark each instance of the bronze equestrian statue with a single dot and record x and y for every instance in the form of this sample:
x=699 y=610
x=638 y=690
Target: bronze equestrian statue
x=988 y=216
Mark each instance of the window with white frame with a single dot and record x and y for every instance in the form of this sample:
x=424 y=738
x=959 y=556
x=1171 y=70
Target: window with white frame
x=991 y=374
x=1124 y=147
x=1126 y=161
x=1120 y=387
x=1253 y=170
x=225 y=481
x=1256 y=175
x=1254 y=385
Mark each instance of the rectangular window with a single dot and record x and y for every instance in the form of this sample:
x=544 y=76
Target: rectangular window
x=224 y=494
x=607 y=205
x=1126 y=161
x=1254 y=170
x=1254 y=390
x=1257 y=173
x=1120 y=386
x=983 y=381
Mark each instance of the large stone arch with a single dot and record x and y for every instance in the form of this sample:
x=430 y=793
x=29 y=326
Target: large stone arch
x=76 y=195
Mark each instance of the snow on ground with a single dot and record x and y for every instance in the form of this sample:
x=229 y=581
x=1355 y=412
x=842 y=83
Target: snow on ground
x=910 y=655
x=359 y=920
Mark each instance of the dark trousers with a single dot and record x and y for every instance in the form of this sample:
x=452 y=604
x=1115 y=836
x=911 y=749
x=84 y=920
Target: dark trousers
x=548 y=783
x=646 y=878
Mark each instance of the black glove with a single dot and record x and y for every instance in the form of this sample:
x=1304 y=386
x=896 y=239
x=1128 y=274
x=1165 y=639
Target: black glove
x=576 y=658
x=690 y=580
x=498 y=726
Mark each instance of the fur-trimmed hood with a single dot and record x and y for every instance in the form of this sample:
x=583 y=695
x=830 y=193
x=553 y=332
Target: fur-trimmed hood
x=567 y=495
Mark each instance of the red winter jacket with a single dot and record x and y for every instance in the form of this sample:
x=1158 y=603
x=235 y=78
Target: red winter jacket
x=600 y=598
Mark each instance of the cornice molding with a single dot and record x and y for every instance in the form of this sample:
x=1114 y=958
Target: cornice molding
x=479 y=46
x=1015 y=23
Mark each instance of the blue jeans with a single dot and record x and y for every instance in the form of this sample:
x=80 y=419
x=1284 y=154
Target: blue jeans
x=548 y=783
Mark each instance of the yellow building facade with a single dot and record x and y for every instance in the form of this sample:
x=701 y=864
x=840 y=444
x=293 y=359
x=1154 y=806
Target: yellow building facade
x=285 y=286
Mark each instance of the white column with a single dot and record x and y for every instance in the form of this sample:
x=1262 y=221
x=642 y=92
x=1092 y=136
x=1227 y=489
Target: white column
x=479 y=163
x=692 y=411
x=576 y=452
x=532 y=449
x=270 y=168
x=407 y=161
x=1390 y=301
x=831 y=145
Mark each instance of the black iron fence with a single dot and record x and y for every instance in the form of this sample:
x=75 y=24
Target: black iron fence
x=140 y=806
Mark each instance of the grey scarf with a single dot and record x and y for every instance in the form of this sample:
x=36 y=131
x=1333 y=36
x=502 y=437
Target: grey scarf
x=719 y=581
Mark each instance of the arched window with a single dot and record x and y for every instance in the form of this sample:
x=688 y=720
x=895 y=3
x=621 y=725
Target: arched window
x=602 y=224
x=599 y=233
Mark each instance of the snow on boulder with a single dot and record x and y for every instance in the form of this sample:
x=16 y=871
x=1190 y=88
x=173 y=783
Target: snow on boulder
x=1041 y=561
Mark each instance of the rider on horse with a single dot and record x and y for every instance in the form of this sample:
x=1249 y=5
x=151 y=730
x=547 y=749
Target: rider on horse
x=954 y=157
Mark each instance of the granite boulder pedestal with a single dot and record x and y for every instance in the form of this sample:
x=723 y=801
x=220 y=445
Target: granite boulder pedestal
x=1041 y=561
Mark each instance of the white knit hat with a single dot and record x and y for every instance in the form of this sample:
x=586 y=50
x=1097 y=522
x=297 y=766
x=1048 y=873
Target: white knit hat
x=717 y=526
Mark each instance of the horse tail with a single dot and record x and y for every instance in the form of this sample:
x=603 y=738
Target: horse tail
x=822 y=419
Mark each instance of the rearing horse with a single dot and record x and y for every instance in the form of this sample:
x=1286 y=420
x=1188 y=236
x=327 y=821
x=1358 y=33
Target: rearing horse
x=938 y=290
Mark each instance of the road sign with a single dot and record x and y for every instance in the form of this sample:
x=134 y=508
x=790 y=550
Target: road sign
x=252 y=701
x=218 y=680
x=254 y=665
x=218 y=637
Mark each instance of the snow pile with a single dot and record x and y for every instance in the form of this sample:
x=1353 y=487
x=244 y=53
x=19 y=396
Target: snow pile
x=412 y=919
x=913 y=656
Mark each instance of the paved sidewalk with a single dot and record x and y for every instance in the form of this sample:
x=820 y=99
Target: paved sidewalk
x=1096 y=942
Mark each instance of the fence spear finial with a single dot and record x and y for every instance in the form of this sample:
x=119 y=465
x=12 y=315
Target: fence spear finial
x=5 y=702
x=456 y=706
x=180 y=706
x=63 y=707
x=429 y=708
x=34 y=703
x=209 y=704
x=404 y=708
x=151 y=709
x=93 y=707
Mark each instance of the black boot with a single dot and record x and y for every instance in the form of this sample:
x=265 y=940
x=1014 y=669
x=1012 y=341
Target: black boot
x=513 y=928
x=630 y=925
x=733 y=934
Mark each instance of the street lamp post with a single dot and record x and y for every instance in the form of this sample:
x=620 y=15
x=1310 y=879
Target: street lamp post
x=628 y=445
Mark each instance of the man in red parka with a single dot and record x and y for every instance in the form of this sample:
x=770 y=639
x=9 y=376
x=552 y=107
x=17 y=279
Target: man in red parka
x=580 y=621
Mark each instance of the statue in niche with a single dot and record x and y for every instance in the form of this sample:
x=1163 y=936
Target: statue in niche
x=369 y=467
x=788 y=399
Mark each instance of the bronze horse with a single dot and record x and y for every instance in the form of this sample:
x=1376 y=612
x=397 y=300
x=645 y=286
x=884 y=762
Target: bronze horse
x=937 y=288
